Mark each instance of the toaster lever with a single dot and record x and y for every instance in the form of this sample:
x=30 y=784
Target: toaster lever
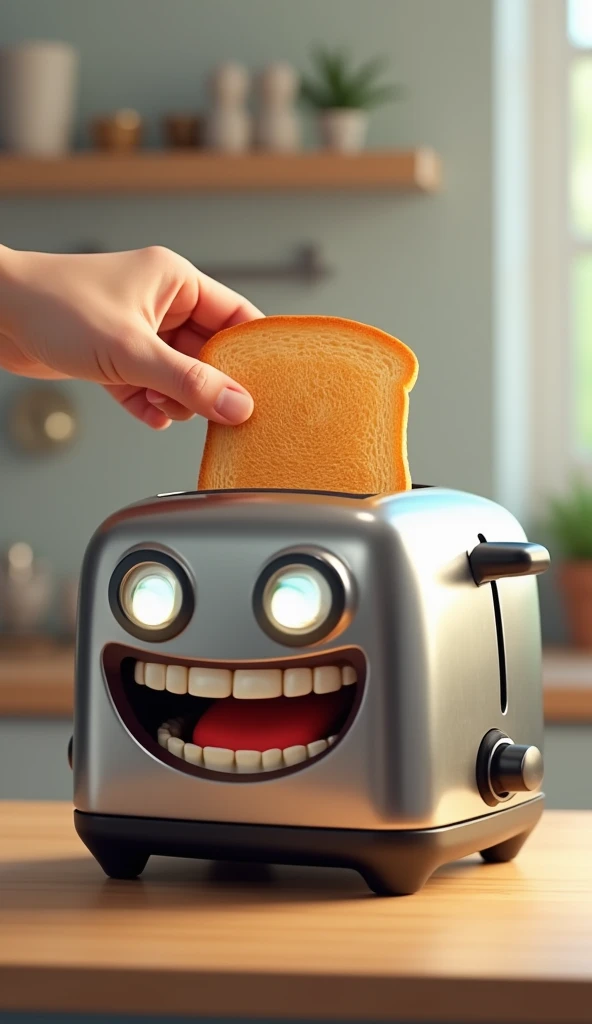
x=493 y=560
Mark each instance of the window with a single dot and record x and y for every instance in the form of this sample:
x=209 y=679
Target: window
x=543 y=218
x=579 y=218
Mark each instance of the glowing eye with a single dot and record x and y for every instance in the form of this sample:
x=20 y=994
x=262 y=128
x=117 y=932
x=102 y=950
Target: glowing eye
x=297 y=599
x=151 y=595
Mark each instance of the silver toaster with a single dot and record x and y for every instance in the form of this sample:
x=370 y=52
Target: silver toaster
x=309 y=678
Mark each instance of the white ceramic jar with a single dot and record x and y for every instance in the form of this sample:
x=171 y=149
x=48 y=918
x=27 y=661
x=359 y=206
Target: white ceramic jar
x=278 y=122
x=38 y=82
x=229 y=122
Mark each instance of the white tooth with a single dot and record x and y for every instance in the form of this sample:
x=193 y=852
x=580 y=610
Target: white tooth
x=139 y=672
x=193 y=753
x=174 y=726
x=176 y=679
x=257 y=683
x=210 y=682
x=348 y=675
x=219 y=759
x=293 y=755
x=317 y=747
x=154 y=676
x=297 y=682
x=164 y=737
x=331 y=740
x=326 y=678
x=248 y=760
x=271 y=759
x=175 y=746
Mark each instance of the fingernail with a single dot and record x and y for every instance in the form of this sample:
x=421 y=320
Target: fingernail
x=155 y=397
x=156 y=419
x=234 y=406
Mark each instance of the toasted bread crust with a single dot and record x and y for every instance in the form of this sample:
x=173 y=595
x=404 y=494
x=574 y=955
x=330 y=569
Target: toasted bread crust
x=331 y=407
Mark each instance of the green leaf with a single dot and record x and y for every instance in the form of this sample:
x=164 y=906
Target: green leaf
x=338 y=84
x=570 y=520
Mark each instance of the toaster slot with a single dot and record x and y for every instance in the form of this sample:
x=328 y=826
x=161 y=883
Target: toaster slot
x=501 y=647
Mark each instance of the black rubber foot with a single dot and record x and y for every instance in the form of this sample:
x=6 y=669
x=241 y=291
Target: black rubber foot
x=503 y=852
x=392 y=862
x=118 y=860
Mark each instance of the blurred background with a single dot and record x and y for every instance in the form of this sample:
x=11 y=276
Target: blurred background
x=446 y=198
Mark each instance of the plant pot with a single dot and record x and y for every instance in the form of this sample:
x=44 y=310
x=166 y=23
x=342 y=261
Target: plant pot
x=575 y=580
x=344 y=130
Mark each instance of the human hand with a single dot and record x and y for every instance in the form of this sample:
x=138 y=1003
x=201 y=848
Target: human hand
x=134 y=322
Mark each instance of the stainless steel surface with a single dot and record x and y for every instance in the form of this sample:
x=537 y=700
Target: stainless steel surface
x=429 y=634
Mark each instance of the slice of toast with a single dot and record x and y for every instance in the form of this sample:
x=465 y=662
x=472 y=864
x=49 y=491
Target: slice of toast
x=331 y=403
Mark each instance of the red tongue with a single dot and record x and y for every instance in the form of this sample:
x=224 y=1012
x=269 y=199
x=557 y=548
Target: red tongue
x=281 y=722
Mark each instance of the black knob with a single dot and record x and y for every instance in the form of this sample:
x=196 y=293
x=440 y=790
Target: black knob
x=505 y=767
x=515 y=769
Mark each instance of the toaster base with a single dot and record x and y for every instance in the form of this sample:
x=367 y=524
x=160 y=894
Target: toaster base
x=392 y=862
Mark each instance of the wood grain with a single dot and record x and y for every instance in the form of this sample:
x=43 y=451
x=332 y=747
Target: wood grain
x=40 y=683
x=480 y=942
x=416 y=170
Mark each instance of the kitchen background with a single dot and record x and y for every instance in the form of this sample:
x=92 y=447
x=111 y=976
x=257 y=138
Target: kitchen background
x=420 y=266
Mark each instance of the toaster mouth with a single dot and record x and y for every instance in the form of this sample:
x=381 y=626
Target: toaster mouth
x=249 y=720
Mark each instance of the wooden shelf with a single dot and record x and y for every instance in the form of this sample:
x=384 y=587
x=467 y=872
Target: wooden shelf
x=39 y=682
x=416 y=170
x=568 y=685
x=481 y=942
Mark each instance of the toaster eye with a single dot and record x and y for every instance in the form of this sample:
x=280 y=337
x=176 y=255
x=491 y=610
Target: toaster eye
x=151 y=595
x=299 y=599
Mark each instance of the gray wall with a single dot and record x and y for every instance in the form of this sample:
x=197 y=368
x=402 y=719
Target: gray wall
x=418 y=267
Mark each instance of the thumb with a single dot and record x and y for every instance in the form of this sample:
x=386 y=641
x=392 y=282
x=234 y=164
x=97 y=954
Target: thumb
x=196 y=386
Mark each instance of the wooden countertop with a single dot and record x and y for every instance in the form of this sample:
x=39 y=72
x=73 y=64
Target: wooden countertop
x=38 y=682
x=480 y=943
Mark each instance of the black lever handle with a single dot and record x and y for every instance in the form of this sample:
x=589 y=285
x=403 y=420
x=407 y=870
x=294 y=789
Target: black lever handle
x=493 y=560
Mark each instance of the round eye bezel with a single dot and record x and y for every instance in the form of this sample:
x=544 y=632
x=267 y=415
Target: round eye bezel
x=336 y=581
x=187 y=605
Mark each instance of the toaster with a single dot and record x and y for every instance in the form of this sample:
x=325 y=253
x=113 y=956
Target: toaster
x=309 y=678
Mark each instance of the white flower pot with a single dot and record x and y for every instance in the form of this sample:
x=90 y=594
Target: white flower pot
x=37 y=97
x=344 y=130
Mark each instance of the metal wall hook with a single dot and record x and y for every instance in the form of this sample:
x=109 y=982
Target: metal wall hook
x=306 y=266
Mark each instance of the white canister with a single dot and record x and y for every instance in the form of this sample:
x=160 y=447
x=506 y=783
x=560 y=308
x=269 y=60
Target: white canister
x=38 y=83
x=229 y=125
x=278 y=122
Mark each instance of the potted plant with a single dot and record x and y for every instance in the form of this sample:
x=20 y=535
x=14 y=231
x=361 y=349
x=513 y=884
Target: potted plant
x=571 y=524
x=342 y=95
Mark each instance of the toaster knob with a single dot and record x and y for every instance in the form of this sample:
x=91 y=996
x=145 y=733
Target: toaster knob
x=516 y=769
x=505 y=767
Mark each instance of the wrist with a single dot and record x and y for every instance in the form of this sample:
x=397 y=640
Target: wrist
x=10 y=289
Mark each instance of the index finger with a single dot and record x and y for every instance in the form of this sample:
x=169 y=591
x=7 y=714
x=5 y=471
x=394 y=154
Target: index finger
x=218 y=307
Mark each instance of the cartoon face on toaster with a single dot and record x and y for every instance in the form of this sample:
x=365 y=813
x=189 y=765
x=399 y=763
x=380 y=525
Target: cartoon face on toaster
x=309 y=662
